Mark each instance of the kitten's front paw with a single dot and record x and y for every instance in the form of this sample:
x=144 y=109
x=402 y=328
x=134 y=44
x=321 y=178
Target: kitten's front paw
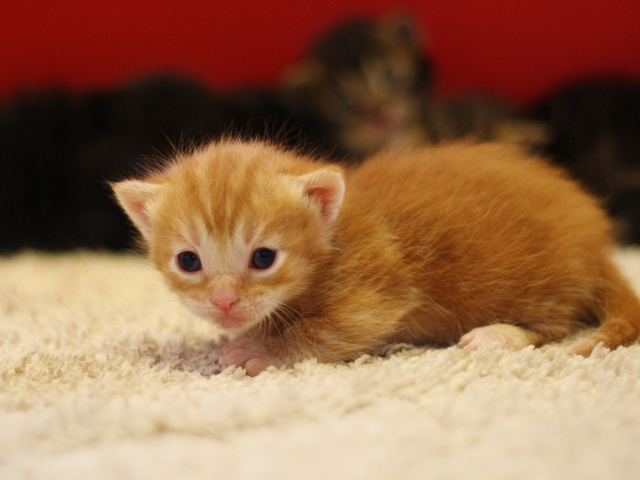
x=250 y=354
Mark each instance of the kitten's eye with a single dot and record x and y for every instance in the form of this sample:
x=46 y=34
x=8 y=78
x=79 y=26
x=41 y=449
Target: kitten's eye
x=189 y=262
x=263 y=258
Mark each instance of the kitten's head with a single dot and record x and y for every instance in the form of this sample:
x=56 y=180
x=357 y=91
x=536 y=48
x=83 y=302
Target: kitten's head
x=237 y=229
x=366 y=79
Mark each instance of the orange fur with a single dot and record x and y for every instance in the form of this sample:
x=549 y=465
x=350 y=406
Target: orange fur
x=471 y=242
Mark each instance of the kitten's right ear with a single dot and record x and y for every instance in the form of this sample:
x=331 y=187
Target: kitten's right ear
x=136 y=197
x=325 y=188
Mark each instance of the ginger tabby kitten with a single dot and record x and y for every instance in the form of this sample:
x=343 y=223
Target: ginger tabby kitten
x=461 y=243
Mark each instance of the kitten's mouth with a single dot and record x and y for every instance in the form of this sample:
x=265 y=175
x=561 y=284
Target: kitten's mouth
x=231 y=321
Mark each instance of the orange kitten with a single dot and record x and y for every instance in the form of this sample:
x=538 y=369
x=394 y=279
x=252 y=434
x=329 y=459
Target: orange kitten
x=459 y=243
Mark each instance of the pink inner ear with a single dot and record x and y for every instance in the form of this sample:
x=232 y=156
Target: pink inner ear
x=324 y=187
x=136 y=205
x=134 y=197
x=325 y=196
x=330 y=198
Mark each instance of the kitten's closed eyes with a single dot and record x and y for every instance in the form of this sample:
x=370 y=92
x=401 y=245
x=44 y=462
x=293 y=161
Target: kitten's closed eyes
x=469 y=244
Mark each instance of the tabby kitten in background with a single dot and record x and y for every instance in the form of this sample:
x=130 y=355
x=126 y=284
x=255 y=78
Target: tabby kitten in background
x=467 y=244
x=365 y=81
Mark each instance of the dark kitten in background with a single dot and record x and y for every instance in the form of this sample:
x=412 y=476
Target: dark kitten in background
x=57 y=151
x=594 y=127
x=366 y=82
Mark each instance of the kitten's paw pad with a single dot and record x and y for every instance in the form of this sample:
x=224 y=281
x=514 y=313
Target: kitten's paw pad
x=250 y=355
x=500 y=335
x=254 y=366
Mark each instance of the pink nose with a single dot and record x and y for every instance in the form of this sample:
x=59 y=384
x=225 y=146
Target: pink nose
x=224 y=300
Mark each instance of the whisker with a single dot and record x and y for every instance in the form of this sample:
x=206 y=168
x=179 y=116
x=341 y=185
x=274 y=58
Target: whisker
x=275 y=324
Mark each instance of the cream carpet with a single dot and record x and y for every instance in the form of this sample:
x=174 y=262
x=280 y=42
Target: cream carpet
x=104 y=375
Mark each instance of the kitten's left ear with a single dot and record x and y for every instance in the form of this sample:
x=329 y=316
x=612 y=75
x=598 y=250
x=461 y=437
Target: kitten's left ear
x=325 y=187
x=136 y=198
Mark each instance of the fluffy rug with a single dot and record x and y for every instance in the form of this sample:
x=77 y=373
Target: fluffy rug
x=104 y=375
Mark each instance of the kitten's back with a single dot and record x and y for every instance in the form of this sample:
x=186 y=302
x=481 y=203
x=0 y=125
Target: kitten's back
x=491 y=236
x=468 y=182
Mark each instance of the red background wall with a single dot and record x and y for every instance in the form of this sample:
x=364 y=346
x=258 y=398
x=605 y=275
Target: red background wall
x=515 y=48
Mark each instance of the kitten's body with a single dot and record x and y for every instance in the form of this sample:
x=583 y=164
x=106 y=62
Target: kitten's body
x=458 y=243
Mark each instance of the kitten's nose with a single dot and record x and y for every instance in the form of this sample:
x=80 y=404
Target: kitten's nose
x=224 y=300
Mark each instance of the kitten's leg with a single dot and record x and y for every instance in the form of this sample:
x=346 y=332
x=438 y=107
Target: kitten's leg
x=503 y=335
x=263 y=347
x=256 y=349
x=252 y=354
x=328 y=339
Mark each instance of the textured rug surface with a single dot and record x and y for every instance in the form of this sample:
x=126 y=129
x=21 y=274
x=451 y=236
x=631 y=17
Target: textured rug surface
x=104 y=375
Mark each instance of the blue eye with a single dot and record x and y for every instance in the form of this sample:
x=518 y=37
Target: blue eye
x=263 y=258
x=189 y=262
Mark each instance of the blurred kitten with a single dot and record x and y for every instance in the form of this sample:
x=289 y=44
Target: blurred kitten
x=366 y=81
x=594 y=127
